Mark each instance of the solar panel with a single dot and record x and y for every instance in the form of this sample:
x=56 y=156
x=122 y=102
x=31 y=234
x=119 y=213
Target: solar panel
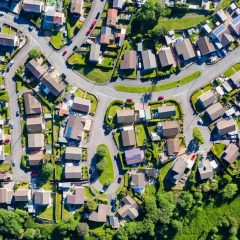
x=219 y=29
x=236 y=20
x=69 y=131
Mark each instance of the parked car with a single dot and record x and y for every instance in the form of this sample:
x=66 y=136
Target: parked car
x=11 y=125
x=75 y=48
x=160 y=98
x=2 y=13
x=93 y=23
x=64 y=52
x=200 y=121
x=11 y=63
x=88 y=32
x=98 y=14
x=13 y=163
x=129 y=100
x=30 y=28
x=119 y=180
x=17 y=113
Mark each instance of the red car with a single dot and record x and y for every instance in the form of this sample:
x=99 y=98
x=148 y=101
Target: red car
x=129 y=100
x=193 y=157
x=34 y=174
x=93 y=23
x=64 y=53
x=88 y=32
x=160 y=98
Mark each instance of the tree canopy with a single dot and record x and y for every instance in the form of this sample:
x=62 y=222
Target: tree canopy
x=34 y=53
x=198 y=136
x=47 y=171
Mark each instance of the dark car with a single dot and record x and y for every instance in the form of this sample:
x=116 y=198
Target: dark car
x=64 y=53
x=119 y=180
x=75 y=48
x=88 y=32
x=17 y=113
x=63 y=76
x=160 y=97
x=98 y=14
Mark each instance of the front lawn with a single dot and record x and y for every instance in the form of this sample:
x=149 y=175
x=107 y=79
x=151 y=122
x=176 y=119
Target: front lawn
x=57 y=40
x=140 y=135
x=217 y=149
x=73 y=25
x=47 y=213
x=5 y=167
x=232 y=70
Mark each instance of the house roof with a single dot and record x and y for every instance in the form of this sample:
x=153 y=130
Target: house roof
x=207 y=98
x=149 y=60
x=36 y=140
x=77 y=197
x=179 y=168
x=106 y=35
x=205 y=170
x=6 y=195
x=8 y=40
x=205 y=45
x=129 y=209
x=35 y=158
x=35 y=124
x=138 y=180
x=223 y=36
x=35 y=68
x=170 y=128
x=33 y=5
x=151 y=172
x=42 y=197
x=235 y=25
x=215 y=111
x=31 y=104
x=236 y=78
x=73 y=172
x=231 y=153
x=81 y=104
x=100 y=215
x=221 y=14
x=226 y=126
x=173 y=146
x=112 y=17
x=22 y=195
x=73 y=153
x=128 y=137
x=185 y=49
x=55 y=88
x=129 y=60
x=133 y=156
x=76 y=6
x=54 y=17
x=166 y=58
x=118 y=4
x=125 y=116
x=94 y=52
x=166 y=111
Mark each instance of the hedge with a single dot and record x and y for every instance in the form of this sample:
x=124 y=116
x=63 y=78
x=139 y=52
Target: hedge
x=24 y=163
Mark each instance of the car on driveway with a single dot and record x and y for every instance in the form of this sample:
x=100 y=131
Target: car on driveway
x=119 y=180
x=30 y=28
x=64 y=52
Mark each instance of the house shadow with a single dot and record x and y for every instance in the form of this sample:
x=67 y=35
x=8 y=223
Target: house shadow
x=94 y=173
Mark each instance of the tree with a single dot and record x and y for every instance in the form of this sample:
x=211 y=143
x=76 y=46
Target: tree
x=101 y=152
x=34 y=53
x=46 y=171
x=197 y=136
x=91 y=205
x=102 y=165
x=82 y=229
x=158 y=33
x=226 y=179
x=30 y=234
x=65 y=228
x=229 y=190
x=186 y=201
x=177 y=225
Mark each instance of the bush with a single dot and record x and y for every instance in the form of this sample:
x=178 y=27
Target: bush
x=197 y=136
x=34 y=53
x=47 y=171
x=24 y=162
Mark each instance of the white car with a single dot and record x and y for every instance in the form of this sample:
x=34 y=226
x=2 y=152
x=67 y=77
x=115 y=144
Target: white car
x=2 y=13
x=11 y=63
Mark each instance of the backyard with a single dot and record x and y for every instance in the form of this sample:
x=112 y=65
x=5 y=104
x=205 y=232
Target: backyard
x=140 y=134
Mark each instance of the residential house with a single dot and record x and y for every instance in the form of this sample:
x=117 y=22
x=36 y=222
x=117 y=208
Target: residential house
x=31 y=104
x=52 y=86
x=73 y=153
x=207 y=99
x=9 y=40
x=33 y=6
x=106 y=36
x=118 y=4
x=36 y=141
x=81 y=105
x=151 y=172
x=114 y=221
x=206 y=28
x=173 y=146
x=112 y=17
x=22 y=195
x=205 y=170
x=166 y=58
x=77 y=197
x=215 y=111
x=73 y=172
x=185 y=50
x=6 y=196
x=42 y=197
x=226 y=126
x=35 y=158
x=133 y=156
x=94 y=53
x=169 y=128
x=178 y=170
x=125 y=116
x=53 y=19
x=35 y=124
x=76 y=8
x=35 y=68
x=226 y=86
x=235 y=78
x=75 y=128
x=166 y=111
x=221 y=15
x=138 y=182
x=149 y=60
x=231 y=153
x=205 y=46
x=129 y=61
x=128 y=136
x=100 y=215
x=235 y=26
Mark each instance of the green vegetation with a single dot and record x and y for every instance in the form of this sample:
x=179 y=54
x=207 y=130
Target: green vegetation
x=57 y=40
x=218 y=149
x=140 y=134
x=225 y=3
x=5 y=167
x=198 y=136
x=232 y=70
x=73 y=25
x=158 y=87
x=34 y=53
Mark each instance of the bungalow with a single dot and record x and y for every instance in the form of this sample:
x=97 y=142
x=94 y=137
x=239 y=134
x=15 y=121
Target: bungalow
x=35 y=68
x=52 y=19
x=178 y=170
x=134 y=156
x=34 y=6
x=207 y=99
x=100 y=215
x=118 y=4
x=235 y=25
x=221 y=15
x=22 y=195
x=106 y=35
x=226 y=126
x=42 y=197
x=231 y=153
x=35 y=124
x=129 y=209
x=215 y=111
x=235 y=78
x=73 y=153
x=173 y=146
x=77 y=197
x=169 y=128
x=31 y=104
x=129 y=61
x=205 y=46
x=35 y=158
x=52 y=86
x=36 y=140
x=9 y=40
x=81 y=105
x=128 y=136
x=6 y=196
x=76 y=8
x=149 y=60
x=166 y=58
x=73 y=172
x=112 y=17
x=125 y=116
x=205 y=170
x=94 y=53
x=138 y=182
x=166 y=111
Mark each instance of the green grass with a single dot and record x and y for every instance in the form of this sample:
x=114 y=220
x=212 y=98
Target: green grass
x=73 y=26
x=107 y=174
x=47 y=214
x=58 y=206
x=7 y=149
x=140 y=134
x=5 y=167
x=232 y=70
x=77 y=58
x=88 y=193
x=217 y=149
x=158 y=87
x=2 y=82
x=47 y=186
x=58 y=40
x=59 y=170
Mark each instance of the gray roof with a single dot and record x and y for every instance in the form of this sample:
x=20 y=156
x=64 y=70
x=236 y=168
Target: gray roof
x=129 y=60
x=133 y=156
x=205 y=170
x=35 y=140
x=205 y=45
x=76 y=7
x=231 y=153
x=35 y=68
x=35 y=124
x=125 y=116
x=55 y=88
x=42 y=197
x=236 y=78
x=77 y=197
x=73 y=172
x=33 y=6
x=166 y=57
x=8 y=40
x=118 y=4
x=138 y=181
x=178 y=169
x=170 y=128
x=173 y=146
x=128 y=137
x=149 y=60
x=73 y=153
x=185 y=49
x=94 y=52
x=81 y=104
x=215 y=111
x=31 y=104
x=226 y=126
x=207 y=98
x=166 y=111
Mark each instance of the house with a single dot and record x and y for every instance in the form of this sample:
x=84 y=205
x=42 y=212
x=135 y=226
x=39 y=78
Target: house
x=106 y=35
x=77 y=197
x=138 y=182
x=166 y=111
x=221 y=15
x=128 y=136
x=81 y=105
x=226 y=86
x=73 y=153
x=42 y=197
x=205 y=46
x=206 y=28
x=173 y=146
x=207 y=99
x=185 y=51
x=178 y=170
x=31 y=104
x=151 y=172
x=235 y=78
x=6 y=196
x=112 y=17
x=114 y=222
x=129 y=209
x=35 y=124
x=35 y=68
x=52 y=86
x=36 y=140
x=133 y=156
x=76 y=8
x=149 y=60
x=169 y=128
x=52 y=19
x=9 y=40
x=129 y=61
x=73 y=172
x=235 y=25
x=215 y=111
x=118 y=4
x=226 y=126
x=231 y=153
x=205 y=170
x=22 y=195
x=35 y=158
x=33 y=6
x=166 y=58
x=94 y=53
x=125 y=116
x=100 y=215
x=75 y=127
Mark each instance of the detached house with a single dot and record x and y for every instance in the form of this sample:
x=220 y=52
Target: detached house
x=125 y=116
x=81 y=105
x=178 y=170
x=226 y=126
x=76 y=8
x=166 y=111
x=129 y=209
x=106 y=35
x=52 y=86
x=112 y=17
x=35 y=68
x=35 y=158
x=205 y=170
x=138 y=182
x=169 y=128
x=73 y=172
x=207 y=99
x=100 y=215
x=118 y=4
x=22 y=195
x=134 y=156
x=73 y=153
x=231 y=153
x=35 y=124
x=6 y=196
x=129 y=61
x=94 y=53
x=42 y=197
x=215 y=111
x=166 y=58
x=128 y=136
x=205 y=46
x=9 y=40
x=36 y=141
x=149 y=60
x=77 y=197
x=53 y=19
x=34 y=6
x=31 y=104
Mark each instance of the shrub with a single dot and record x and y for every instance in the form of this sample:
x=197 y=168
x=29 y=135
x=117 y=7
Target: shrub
x=24 y=162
